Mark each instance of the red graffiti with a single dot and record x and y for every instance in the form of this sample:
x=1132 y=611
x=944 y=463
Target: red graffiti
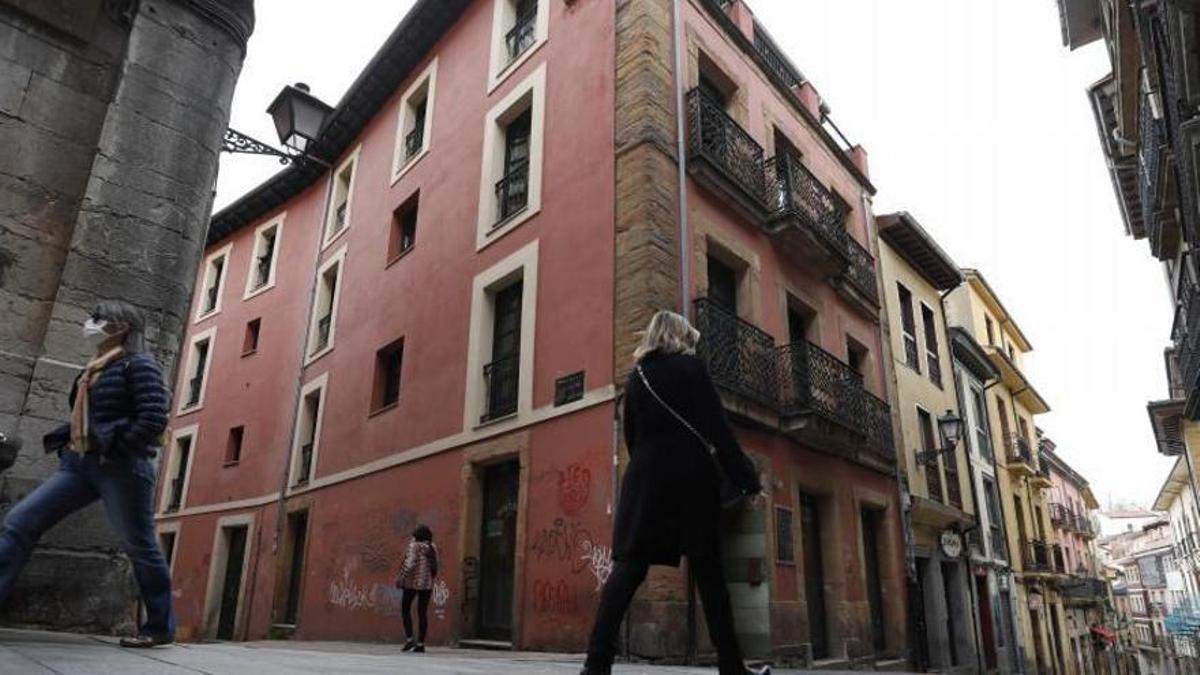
x=574 y=487
x=551 y=597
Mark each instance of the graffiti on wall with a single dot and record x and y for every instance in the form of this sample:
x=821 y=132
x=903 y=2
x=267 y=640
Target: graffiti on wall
x=440 y=596
x=382 y=599
x=554 y=597
x=562 y=542
x=599 y=560
x=574 y=487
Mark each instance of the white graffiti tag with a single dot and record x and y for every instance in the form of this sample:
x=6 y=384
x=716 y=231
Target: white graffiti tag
x=599 y=561
x=441 y=593
x=347 y=594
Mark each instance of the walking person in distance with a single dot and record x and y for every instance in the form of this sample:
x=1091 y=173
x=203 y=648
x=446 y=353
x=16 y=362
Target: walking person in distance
x=419 y=570
x=670 y=501
x=118 y=414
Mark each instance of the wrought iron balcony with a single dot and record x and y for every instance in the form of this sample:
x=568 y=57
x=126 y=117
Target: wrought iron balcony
x=1041 y=474
x=723 y=156
x=807 y=391
x=1083 y=588
x=304 y=474
x=999 y=544
x=861 y=272
x=953 y=488
x=210 y=296
x=1037 y=557
x=933 y=481
x=1060 y=516
x=414 y=140
x=521 y=36
x=1058 y=559
x=808 y=219
x=502 y=378
x=195 y=384
x=512 y=191
x=323 y=325
x=777 y=64
x=1020 y=457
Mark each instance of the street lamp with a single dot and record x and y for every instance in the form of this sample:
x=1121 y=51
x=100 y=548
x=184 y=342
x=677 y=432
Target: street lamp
x=950 y=429
x=299 y=118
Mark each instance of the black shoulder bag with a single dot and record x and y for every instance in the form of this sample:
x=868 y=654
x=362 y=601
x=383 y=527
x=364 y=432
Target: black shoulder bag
x=731 y=494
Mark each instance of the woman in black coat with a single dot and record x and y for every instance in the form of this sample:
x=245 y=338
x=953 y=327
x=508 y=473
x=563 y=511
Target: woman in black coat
x=670 y=503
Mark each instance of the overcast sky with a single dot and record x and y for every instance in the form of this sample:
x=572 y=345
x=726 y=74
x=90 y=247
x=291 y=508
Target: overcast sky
x=976 y=121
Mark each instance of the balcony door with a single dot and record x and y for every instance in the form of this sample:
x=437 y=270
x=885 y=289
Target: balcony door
x=814 y=575
x=502 y=374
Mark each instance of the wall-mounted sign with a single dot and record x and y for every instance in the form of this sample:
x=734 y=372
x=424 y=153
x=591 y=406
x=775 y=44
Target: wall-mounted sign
x=952 y=544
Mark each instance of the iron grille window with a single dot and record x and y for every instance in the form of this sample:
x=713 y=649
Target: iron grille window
x=502 y=375
x=785 y=549
x=933 y=475
x=263 y=262
x=404 y=228
x=414 y=140
x=932 y=359
x=305 y=472
x=512 y=190
x=340 y=217
x=323 y=325
x=908 y=324
x=521 y=36
x=212 y=293
x=196 y=383
x=184 y=449
x=568 y=388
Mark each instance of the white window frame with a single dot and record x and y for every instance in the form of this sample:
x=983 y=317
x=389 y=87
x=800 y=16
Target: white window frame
x=216 y=573
x=260 y=232
x=328 y=236
x=336 y=260
x=426 y=82
x=479 y=343
x=206 y=280
x=175 y=529
x=320 y=385
x=533 y=88
x=934 y=354
x=187 y=373
x=503 y=15
x=192 y=433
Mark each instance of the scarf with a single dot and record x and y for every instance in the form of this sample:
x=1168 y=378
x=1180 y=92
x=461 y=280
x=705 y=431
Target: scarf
x=79 y=412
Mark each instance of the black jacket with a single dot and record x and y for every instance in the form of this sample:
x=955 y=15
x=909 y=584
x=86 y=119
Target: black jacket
x=127 y=409
x=670 y=502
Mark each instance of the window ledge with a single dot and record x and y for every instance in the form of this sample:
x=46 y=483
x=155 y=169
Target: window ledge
x=335 y=236
x=497 y=231
x=498 y=420
x=190 y=409
x=258 y=291
x=316 y=356
x=207 y=315
x=230 y=463
x=409 y=164
x=399 y=256
x=382 y=409
x=513 y=66
x=249 y=352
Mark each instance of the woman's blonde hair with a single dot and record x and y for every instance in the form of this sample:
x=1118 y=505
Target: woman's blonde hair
x=668 y=333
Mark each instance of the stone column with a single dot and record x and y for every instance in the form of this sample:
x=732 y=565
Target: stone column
x=137 y=235
x=936 y=628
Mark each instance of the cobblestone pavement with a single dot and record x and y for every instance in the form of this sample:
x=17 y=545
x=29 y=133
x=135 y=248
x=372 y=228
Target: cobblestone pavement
x=42 y=653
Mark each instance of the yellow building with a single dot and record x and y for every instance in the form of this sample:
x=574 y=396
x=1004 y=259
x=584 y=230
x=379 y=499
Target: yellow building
x=935 y=480
x=1022 y=479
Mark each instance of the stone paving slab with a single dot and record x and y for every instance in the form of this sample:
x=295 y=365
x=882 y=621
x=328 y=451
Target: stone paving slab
x=43 y=653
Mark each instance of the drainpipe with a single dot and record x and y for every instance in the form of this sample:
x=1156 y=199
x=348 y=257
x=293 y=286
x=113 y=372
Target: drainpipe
x=681 y=161
x=966 y=554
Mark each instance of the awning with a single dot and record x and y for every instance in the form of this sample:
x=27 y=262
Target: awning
x=1109 y=635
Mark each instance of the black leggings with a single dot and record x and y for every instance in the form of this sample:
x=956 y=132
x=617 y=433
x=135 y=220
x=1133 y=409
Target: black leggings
x=618 y=593
x=406 y=600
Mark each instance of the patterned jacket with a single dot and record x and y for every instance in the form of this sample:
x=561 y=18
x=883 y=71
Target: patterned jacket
x=420 y=566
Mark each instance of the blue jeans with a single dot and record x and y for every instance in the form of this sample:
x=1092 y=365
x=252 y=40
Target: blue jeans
x=126 y=486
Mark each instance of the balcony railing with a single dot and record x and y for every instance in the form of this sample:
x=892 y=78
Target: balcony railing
x=501 y=378
x=176 y=493
x=323 y=325
x=718 y=139
x=1042 y=470
x=340 y=216
x=304 y=474
x=521 y=36
x=195 y=384
x=861 y=273
x=414 y=140
x=1151 y=155
x=999 y=545
x=793 y=380
x=774 y=59
x=1058 y=559
x=1018 y=449
x=512 y=191
x=210 y=296
x=797 y=192
x=933 y=481
x=1037 y=557
x=263 y=270
x=953 y=489
x=1060 y=516
x=1084 y=587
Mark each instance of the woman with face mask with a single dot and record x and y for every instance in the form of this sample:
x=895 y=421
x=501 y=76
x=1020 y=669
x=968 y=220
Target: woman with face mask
x=118 y=414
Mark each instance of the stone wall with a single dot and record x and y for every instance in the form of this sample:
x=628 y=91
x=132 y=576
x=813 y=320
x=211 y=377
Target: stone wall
x=114 y=113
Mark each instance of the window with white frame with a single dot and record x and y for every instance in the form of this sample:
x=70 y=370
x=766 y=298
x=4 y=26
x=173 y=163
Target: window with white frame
x=500 y=344
x=519 y=28
x=511 y=189
x=908 y=326
x=415 y=121
x=341 y=198
x=308 y=432
x=323 y=325
x=932 y=358
x=212 y=285
x=178 y=469
x=195 y=371
x=261 y=275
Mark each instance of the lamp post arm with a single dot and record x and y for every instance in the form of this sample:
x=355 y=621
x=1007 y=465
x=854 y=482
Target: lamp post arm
x=235 y=141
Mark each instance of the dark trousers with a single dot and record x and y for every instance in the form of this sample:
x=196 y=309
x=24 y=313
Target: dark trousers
x=406 y=601
x=126 y=487
x=618 y=593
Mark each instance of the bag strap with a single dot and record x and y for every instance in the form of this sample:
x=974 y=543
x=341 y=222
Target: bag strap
x=712 y=449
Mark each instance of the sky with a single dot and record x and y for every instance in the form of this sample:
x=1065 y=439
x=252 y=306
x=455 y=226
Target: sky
x=975 y=120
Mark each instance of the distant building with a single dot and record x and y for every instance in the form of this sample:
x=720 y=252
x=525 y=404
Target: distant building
x=1118 y=521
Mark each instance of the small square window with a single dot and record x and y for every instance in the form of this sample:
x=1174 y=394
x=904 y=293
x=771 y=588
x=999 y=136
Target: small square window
x=233 y=449
x=389 y=363
x=404 y=228
x=250 y=342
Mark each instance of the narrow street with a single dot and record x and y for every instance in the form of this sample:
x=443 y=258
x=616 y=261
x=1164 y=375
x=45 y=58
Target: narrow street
x=44 y=653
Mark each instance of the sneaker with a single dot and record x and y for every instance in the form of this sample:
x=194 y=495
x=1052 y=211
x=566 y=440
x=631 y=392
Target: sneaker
x=409 y=645
x=146 y=641
x=419 y=648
